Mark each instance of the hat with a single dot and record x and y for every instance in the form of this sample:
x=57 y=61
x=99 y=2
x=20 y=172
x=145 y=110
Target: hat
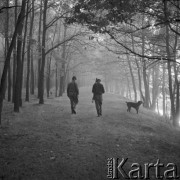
x=98 y=80
x=74 y=78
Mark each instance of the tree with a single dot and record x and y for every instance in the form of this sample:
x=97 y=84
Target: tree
x=17 y=97
x=23 y=50
x=62 y=68
x=8 y=57
x=14 y=53
x=6 y=48
x=29 y=49
x=43 y=51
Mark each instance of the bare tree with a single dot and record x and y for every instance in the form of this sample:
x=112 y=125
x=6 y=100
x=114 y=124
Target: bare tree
x=29 y=49
x=8 y=57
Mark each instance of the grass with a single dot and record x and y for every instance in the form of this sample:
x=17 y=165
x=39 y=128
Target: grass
x=47 y=142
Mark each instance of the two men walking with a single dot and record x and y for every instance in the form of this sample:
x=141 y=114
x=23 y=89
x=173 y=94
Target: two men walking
x=97 y=90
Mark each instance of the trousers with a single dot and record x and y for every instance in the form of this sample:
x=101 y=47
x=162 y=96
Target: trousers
x=74 y=102
x=98 y=103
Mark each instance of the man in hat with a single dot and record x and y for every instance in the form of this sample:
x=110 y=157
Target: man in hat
x=72 y=93
x=98 y=90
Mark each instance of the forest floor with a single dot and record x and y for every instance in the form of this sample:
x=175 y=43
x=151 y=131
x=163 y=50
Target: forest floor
x=46 y=142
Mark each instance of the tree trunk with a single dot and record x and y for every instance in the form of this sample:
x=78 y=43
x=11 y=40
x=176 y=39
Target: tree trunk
x=155 y=89
x=56 y=80
x=145 y=77
x=48 y=76
x=41 y=78
x=39 y=48
x=146 y=87
x=132 y=78
x=140 y=82
x=19 y=61
x=139 y=73
x=6 y=49
x=62 y=71
x=14 y=54
x=106 y=81
x=35 y=78
x=128 y=94
x=163 y=90
x=32 y=72
x=176 y=120
x=9 y=83
x=177 y=83
x=29 y=51
x=23 y=53
x=169 y=66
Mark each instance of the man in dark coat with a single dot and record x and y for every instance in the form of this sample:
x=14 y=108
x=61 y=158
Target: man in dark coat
x=72 y=93
x=98 y=90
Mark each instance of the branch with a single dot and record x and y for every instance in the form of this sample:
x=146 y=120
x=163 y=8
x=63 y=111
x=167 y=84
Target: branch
x=56 y=19
x=62 y=42
x=140 y=55
x=1 y=9
x=173 y=30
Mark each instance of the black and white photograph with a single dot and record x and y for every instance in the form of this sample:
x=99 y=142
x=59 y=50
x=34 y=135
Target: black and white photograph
x=89 y=89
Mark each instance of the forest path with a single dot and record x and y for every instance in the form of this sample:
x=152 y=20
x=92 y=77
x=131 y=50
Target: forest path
x=46 y=142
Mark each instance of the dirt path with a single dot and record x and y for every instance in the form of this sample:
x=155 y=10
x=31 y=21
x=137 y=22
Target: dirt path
x=46 y=142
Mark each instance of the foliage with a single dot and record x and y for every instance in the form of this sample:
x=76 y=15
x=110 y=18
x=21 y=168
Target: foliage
x=98 y=15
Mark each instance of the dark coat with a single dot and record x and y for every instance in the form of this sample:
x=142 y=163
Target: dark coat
x=72 y=89
x=98 y=89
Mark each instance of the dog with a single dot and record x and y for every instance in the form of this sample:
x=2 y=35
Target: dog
x=135 y=105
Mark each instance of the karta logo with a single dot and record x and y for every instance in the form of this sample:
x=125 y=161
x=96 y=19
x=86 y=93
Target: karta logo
x=116 y=170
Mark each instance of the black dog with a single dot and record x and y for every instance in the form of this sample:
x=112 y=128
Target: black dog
x=135 y=105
